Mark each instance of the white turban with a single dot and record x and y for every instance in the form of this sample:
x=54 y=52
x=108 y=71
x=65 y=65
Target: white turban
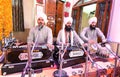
x=66 y=20
x=43 y=15
x=93 y=19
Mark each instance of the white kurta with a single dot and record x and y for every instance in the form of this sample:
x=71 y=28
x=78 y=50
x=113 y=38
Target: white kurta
x=44 y=35
x=64 y=36
x=88 y=34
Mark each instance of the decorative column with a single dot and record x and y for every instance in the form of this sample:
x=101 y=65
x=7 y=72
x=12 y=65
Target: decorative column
x=68 y=8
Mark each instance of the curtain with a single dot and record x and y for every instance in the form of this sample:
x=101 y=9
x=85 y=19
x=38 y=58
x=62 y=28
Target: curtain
x=17 y=13
x=114 y=24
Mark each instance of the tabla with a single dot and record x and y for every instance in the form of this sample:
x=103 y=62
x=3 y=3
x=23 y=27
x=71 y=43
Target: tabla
x=103 y=51
x=100 y=50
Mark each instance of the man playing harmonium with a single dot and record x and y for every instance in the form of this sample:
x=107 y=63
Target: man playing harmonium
x=68 y=40
x=41 y=33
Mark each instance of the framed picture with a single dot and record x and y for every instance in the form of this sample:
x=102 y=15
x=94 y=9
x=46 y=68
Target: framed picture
x=39 y=1
x=39 y=9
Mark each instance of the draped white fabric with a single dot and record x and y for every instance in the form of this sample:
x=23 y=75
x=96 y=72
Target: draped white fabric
x=114 y=24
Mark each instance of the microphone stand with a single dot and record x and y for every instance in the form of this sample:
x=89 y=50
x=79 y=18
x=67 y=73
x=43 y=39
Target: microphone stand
x=87 y=57
x=116 y=57
x=60 y=72
x=29 y=62
x=91 y=60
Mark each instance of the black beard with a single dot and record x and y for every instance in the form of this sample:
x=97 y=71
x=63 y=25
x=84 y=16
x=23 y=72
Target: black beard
x=68 y=28
x=92 y=28
x=40 y=27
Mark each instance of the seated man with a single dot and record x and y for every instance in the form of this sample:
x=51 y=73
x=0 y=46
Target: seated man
x=67 y=35
x=41 y=34
x=68 y=38
x=90 y=34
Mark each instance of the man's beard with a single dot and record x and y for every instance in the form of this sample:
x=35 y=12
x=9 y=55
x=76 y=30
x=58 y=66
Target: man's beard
x=92 y=27
x=40 y=26
x=68 y=28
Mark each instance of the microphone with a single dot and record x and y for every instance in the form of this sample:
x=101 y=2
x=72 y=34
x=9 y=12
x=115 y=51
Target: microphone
x=108 y=46
x=40 y=27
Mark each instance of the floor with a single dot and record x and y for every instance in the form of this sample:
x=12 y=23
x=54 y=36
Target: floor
x=89 y=69
x=73 y=71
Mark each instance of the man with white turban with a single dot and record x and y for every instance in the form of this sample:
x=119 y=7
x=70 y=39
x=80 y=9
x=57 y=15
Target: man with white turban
x=91 y=33
x=67 y=35
x=40 y=33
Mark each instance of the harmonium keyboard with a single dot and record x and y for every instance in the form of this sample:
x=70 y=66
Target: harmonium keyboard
x=17 y=58
x=72 y=55
x=18 y=54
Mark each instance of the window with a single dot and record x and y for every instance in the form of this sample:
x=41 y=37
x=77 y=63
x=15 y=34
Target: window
x=87 y=0
x=17 y=13
x=87 y=12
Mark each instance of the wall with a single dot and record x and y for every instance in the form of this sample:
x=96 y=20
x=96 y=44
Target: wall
x=28 y=7
x=114 y=26
x=29 y=16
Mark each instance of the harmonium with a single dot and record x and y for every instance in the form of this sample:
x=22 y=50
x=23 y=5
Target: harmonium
x=17 y=58
x=72 y=56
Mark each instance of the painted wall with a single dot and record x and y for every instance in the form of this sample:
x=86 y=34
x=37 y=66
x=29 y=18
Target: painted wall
x=114 y=26
x=28 y=7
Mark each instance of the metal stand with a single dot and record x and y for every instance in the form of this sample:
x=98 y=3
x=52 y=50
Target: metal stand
x=29 y=62
x=116 y=57
x=60 y=72
x=86 y=63
x=28 y=68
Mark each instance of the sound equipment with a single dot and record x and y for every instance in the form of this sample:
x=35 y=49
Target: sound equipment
x=17 y=58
